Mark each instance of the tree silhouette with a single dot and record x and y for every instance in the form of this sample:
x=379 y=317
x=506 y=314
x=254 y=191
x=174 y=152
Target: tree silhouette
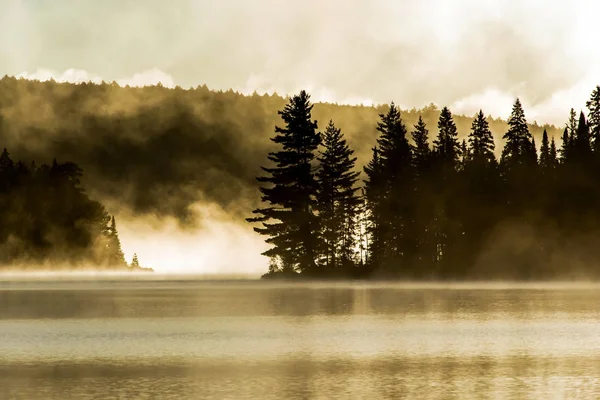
x=395 y=158
x=375 y=194
x=519 y=147
x=553 y=154
x=289 y=221
x=481 y=141
x=546 y=161
x=337 y=201
x=593 y=105
x=115 y=256
x=48 y=221
x=135 y=263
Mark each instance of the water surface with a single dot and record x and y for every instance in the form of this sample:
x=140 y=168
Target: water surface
x=187 y=339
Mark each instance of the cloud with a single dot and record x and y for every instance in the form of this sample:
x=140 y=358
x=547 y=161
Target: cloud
x=376 y=51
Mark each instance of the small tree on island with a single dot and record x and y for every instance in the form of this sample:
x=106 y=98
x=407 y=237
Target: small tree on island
x=135 y=262
x=114 y=252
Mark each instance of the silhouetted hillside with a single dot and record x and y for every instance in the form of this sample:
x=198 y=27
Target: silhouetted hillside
x=158 y=150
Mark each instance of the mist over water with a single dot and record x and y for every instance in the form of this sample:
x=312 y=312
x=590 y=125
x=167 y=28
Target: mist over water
x=188 y=338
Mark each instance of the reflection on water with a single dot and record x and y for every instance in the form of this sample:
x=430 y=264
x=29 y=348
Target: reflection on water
x=194 y=339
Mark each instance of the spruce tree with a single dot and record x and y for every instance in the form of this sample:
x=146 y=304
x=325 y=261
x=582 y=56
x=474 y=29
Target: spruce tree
x=572 y=124
x=553 y=154
x=424 y=213
x=396 y=161
x=593 y=105
x=115 y=257
x=481 y=141
x=446 y=226
x=565 y=148
x=337 y=202
x=581 y=146
x=519 y=148
x=135 y=263
x=420 y=149
x=545 y=157
x=464 y=151
x=531 y=152
x=289 y=220
x=446 y=145
x=375 y=213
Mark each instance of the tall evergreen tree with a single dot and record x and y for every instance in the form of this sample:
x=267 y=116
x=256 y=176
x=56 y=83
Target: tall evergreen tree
x=519 y=148
x=337 y=201
x=115 y=256
x=545 y=157
x=464 y=153
x=375 y=213
x=572 y=124
x=553 y=154
x=289 y=220
x=424 y=207
x=446 y=227
x=420 y=149
x=565 y=148
x=446 y=145
x=481 y=141
x=532 y=155
x=581 y=146
x=593 y=105
x=396 y=161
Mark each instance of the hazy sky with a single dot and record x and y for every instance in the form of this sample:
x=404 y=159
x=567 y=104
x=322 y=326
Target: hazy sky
x=463 y=53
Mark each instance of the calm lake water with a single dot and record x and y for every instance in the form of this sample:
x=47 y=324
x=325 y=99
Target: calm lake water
x=186 y=339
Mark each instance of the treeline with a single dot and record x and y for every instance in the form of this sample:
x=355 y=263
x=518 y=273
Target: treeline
x=433 y=206
x=48 y=221
x=171 y=148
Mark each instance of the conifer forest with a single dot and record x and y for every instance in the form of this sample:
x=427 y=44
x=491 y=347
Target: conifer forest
x=342 y=191
x=432 y=206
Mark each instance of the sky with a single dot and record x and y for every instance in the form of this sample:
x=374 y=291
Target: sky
x=467 y=54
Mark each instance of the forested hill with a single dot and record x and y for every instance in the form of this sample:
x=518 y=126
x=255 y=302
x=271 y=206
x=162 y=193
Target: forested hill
x=159 y=150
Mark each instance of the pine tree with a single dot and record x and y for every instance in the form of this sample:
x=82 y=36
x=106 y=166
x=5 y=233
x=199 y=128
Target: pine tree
x=481 y=141
x=572 y=124
x=464 y=151
x=519 y=148
x=446 y=145
x=420 y=149
x=396 y=161
x=531 y=152
x=289 y=220
x=337 y=202
x=135 y=263
x=581 y=146
x=565 y=148
x=593 y=105
x=375 y=196
x=553 y=154
x=115 y=257
x=444 y=229
x=545 y=157
x=424 y=204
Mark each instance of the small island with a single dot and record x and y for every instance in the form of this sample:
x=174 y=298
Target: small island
x=440 y=209
x=48 y=222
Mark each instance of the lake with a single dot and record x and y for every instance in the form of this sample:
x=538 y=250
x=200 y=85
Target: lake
x=194 y=339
